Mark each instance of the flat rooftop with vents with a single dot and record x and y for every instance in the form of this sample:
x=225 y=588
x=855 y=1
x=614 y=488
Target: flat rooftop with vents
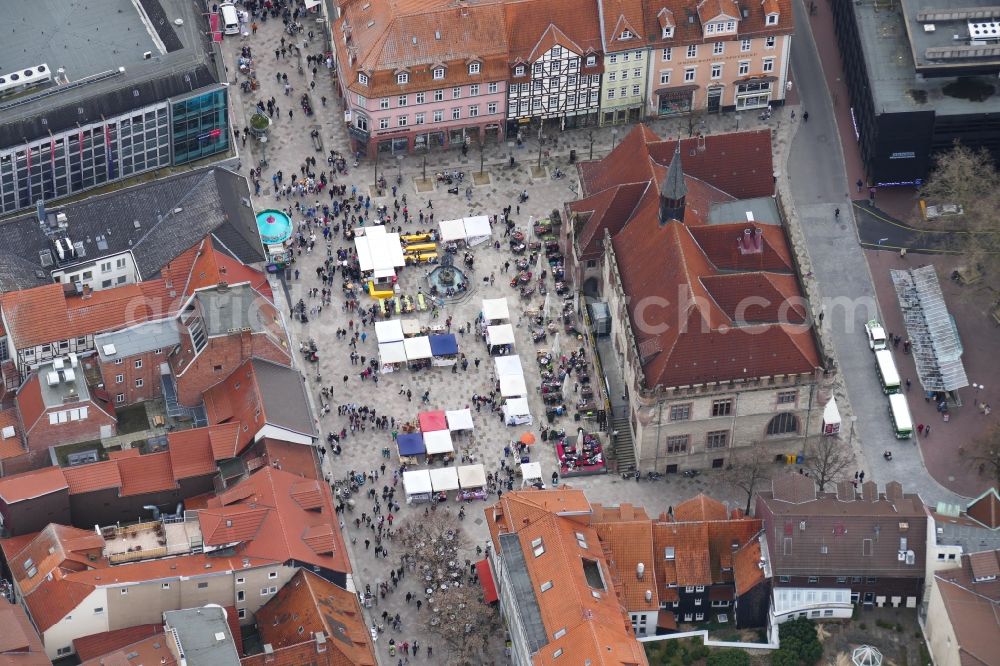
x=62 y=382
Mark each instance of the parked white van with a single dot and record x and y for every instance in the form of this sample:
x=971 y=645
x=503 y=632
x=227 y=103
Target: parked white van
x=230 y=18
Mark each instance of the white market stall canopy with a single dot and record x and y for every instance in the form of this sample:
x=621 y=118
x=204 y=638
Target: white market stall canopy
x=473 y=230
x=417 y=482
x=452 y=230
x=471 y=476
x=389 y=331
x=444 y=478
x=500 y=335
x=417 y=348
x=531 y=471
x=509 y=366
x=392 y=352
x=516 y=412
x=459 y=419
x=379 y=250
x=831 y=414
x=513 y=386
x=495 y=308
x=410 y=326
x=438 y=441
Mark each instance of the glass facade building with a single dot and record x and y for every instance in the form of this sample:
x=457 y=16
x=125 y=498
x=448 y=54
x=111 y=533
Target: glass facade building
x=91 y=155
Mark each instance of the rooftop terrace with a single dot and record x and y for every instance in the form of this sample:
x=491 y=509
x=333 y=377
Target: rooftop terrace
x=158 y=538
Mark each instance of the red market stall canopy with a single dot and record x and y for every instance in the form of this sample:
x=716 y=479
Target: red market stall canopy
x=431 y=421
x=485 y=574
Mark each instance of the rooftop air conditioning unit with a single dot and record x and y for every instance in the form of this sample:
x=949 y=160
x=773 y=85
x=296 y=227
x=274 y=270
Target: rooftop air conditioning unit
x=69 y=375
x=7 y=432
x=52 y=378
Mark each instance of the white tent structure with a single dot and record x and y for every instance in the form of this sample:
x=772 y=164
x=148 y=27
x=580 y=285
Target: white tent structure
x=509 y=366
x=516 y=412
x=459 y=419
x=531 y=472
x=417 y=348
x=410 y=327
x=452 y=230
x=831 y=418
x=477 y=230
x=391 y=352
x=390 y=330
x=500 y=335
x=378 y=250
x=471 y=476
x=438 y=442
x=417 y=485
x=495 y=309
x=513 y=386
x=444 y=479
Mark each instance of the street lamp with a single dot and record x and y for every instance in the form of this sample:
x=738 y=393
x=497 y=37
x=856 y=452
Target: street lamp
x=263 y=145
x=591 y=135
x=399 y=169
x=614 y=138
x=424 y=176
x=376 y=164
x=482 y=157
x=541 y=123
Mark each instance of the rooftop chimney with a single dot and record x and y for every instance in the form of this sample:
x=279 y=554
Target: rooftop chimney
x=640 y=570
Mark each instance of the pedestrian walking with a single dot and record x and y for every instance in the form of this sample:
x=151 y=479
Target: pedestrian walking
x=927 y=431
x=253 y=27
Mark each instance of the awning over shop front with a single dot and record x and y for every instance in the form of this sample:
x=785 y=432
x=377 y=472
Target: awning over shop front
x=677 y=91
x=444 y=479
x=485 y=574
x=757 y=79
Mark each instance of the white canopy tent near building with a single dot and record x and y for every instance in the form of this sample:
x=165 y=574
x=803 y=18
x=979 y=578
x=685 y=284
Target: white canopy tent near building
x=502 y=334
x=513 y=386
x=417 y=348
x=459 y=419
x=496 y=309
x=410 y=327
x=472 y=230
x=378 y=250
x=471 y=476
x=452 y=230
x=390 y=330
x=438 y=441
x=509 y=365
x=531 y=473
x=444 y=479
x=516 y=412
x=417 y=485
x=392 y=352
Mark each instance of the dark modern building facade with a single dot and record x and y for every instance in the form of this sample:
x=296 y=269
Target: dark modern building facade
x=98 y=120
x=921 y=75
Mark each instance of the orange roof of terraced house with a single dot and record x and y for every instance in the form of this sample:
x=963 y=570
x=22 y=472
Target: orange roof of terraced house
x=535 y=26
x=557 y=549
x=94 y=476
x=146 y=474
x=29 y=485
x=20 y=644
x=11 y=446
x=191 y=453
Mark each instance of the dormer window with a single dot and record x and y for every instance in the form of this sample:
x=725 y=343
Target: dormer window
x=771 y=19
x=519 y=70
x=710 y=28
x=626 y=34
x=363 y=79
x=474 y=68
x=668 y=32
x=402 y=78
x=438 y=73
x=591 y=60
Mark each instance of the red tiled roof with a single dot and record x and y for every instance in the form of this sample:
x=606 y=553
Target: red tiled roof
x=191 y=453
x=747 y=572
x=236 y=399
x=95 y=476
x=224 y=439
x=752 y=25
x=985 y=509
x=96 y=645
x=231 y=524
x=19 y=642
x=11 y=447
x=146 y=474
x=700 y=507
x=620 y=15
x=30 y=403
x=317 y=605
x=307 y=494
x=29 y=485
x=320 y=539
x=631 y=543
x=534 y=26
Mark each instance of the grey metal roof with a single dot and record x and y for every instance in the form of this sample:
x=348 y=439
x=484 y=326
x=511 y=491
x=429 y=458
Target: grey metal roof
x=162 y=334
x=971 y=538
x=88 y=39
x=529 y=614
x=284 y=394
x=222 y=311
x=204 y=636
x=673 y=186
x=888 y=58
x=157 y=221
x=937 y=350
x=763 y=209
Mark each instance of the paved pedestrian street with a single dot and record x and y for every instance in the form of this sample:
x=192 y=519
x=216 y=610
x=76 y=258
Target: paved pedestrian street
x=288 y=146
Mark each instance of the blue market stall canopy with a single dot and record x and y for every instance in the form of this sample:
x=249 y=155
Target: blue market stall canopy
x=410 y=444
x=444 y=345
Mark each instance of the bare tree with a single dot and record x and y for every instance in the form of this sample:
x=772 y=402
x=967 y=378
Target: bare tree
x=466 y=624
x=827 y=460
x=432 y=542
x=985 y=454
x=969 y=179
x=748 y=469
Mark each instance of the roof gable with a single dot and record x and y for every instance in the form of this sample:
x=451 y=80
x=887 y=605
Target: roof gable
x=985 y=509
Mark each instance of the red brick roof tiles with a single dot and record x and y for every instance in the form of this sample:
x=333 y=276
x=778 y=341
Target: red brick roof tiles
x=11 y=447
x=224 y=439
x=30 y=403
x=753 y=25
x=700 y=507
x=191 y=453
x=631 y=543
x=233 y=524
x=146 y=474
x=985 y=509
x=29 y=485
x=307 y=494
x=96 y=645
x=20 y=644
x=95 y=476
x=534 y=26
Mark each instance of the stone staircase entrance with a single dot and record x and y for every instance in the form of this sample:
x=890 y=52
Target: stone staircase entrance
x=624 y=449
